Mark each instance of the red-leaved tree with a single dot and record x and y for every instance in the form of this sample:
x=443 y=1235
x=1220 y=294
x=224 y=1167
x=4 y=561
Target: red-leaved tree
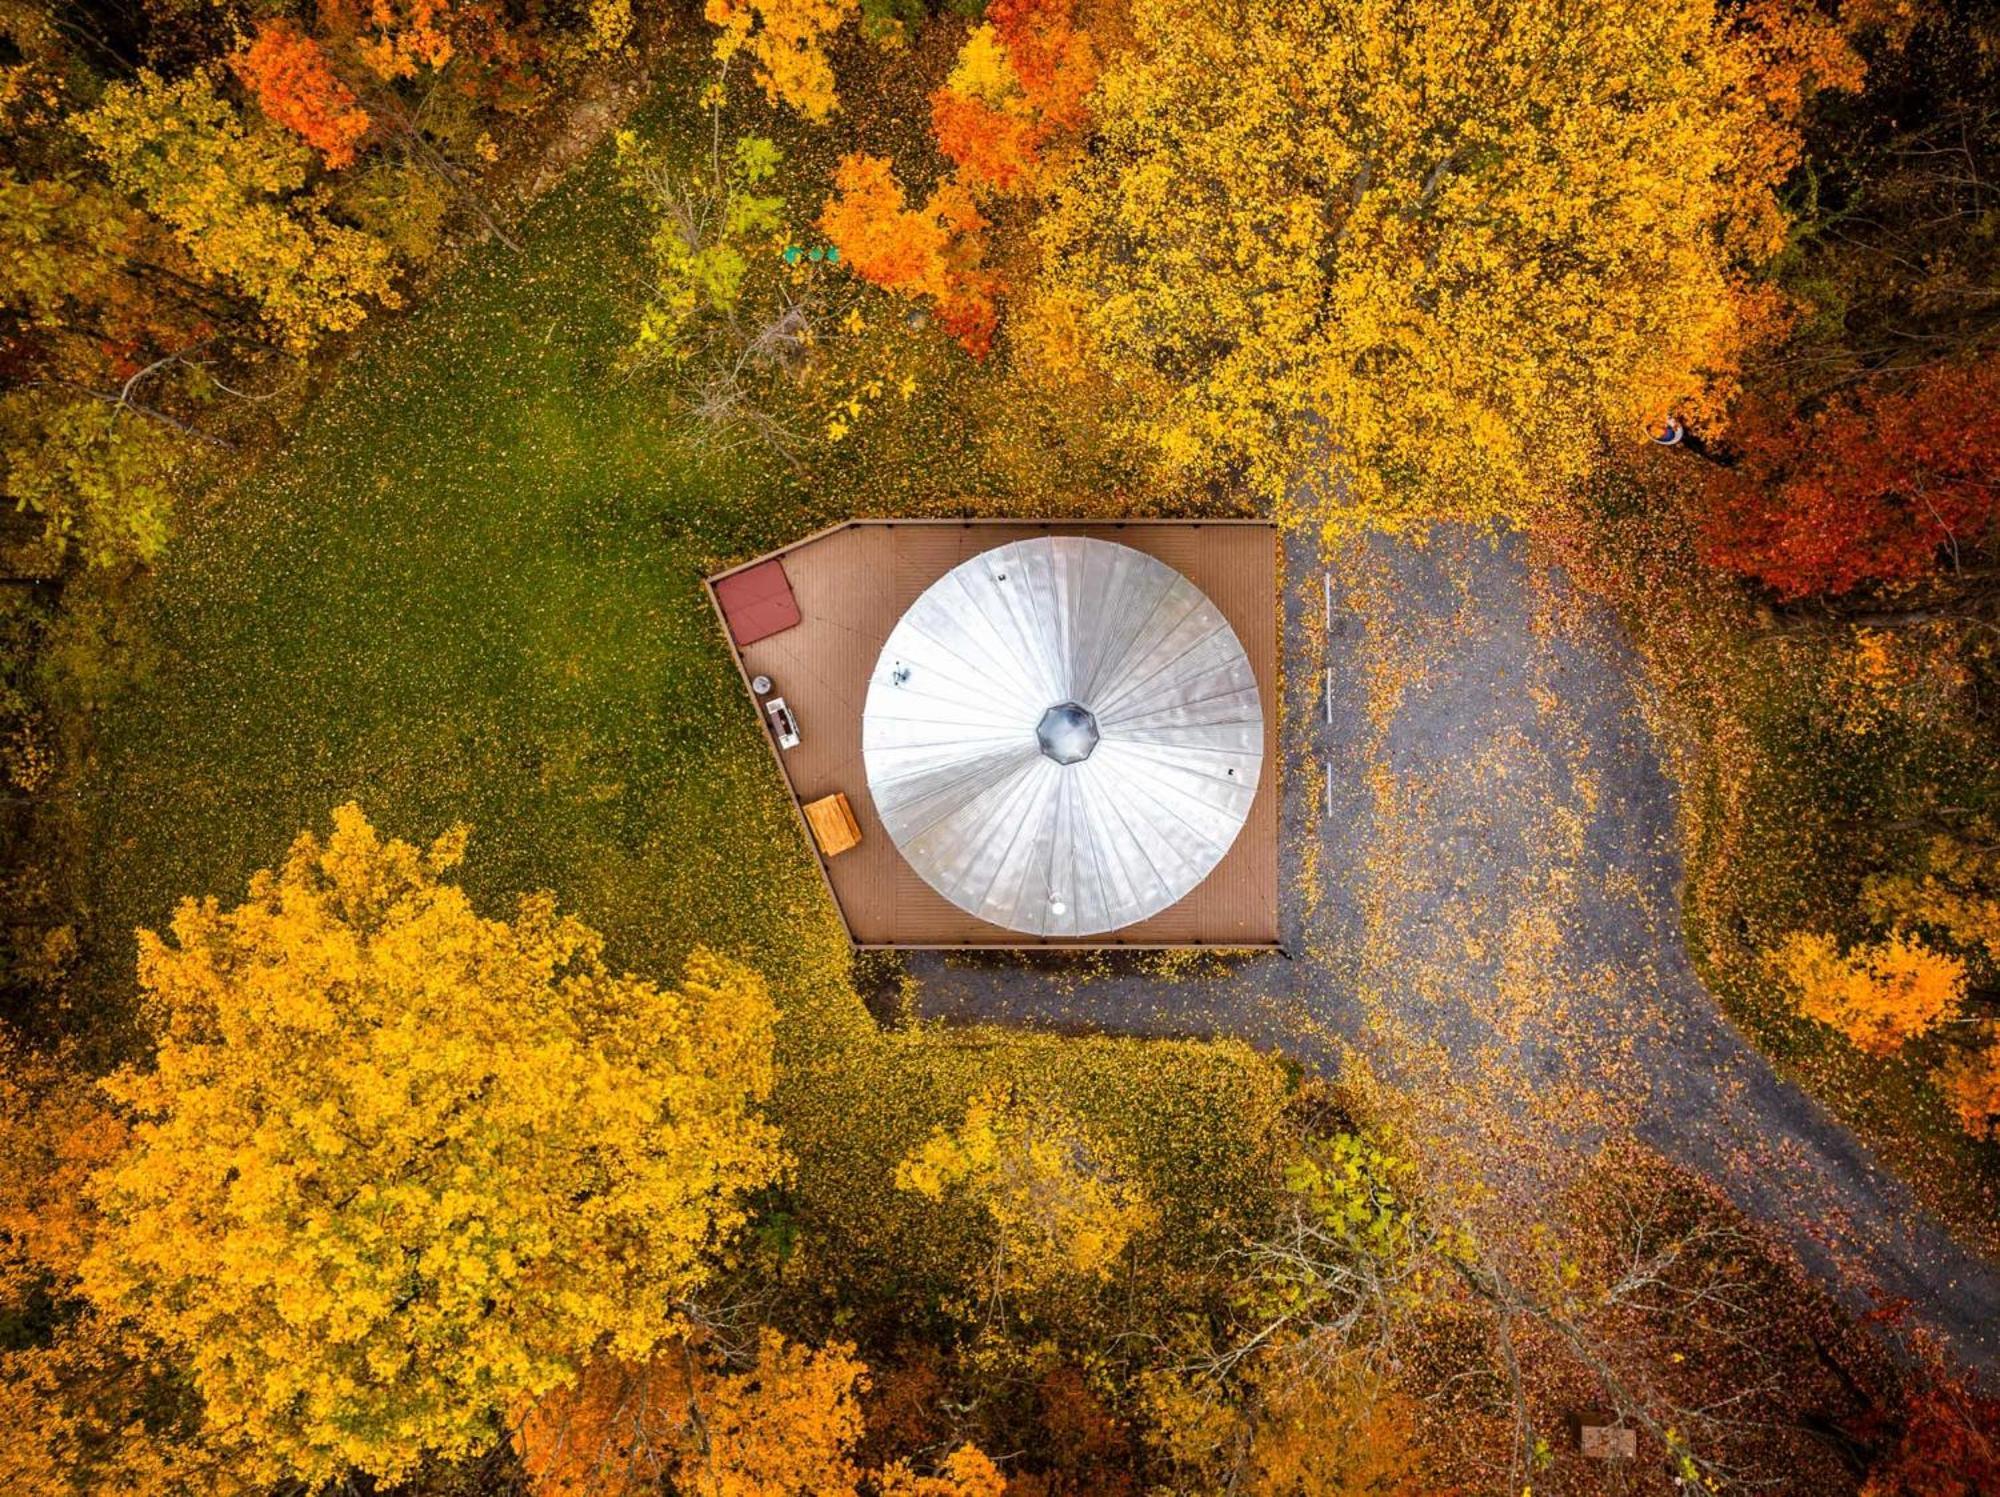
x=1941 y=1441
x=1021 y=78
x=1880 y=486
x=288 y=73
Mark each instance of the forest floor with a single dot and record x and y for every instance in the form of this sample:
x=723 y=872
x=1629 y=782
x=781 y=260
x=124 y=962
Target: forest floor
x=1482 y=909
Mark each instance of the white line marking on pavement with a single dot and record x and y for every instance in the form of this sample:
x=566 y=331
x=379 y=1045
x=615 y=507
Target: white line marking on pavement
x=1326 y=593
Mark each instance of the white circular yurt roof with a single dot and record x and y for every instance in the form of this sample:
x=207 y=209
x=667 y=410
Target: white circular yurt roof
x=1063 y=736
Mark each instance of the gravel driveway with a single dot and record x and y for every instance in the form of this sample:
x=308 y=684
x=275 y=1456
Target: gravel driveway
x=1481 y=904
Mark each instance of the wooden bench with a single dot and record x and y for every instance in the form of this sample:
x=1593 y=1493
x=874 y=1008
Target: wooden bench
x=833 y=825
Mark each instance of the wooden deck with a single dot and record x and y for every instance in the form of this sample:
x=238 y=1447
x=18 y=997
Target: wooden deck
x=853 y=582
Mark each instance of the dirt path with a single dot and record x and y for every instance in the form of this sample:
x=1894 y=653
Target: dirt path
x=1485 y=909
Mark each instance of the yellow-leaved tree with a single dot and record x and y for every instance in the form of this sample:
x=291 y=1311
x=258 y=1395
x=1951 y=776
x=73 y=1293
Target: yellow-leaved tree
x=1952 y=887
x=397 y=1166
x=231 y=193
x=786 y=42
x=1061 y=1207
x=1879 y=994
x=1391 y=260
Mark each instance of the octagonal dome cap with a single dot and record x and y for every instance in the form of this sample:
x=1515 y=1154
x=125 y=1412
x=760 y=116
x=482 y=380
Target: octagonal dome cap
x=1067 y=733
x=1063 y=736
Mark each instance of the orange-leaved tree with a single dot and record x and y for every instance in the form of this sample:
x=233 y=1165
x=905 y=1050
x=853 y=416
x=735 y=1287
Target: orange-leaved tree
x=1022 y=77
x=932 y=253
x=55 y=1132
x=1970 y=1081
x=397 y=1166
x=784 y=1426
x=1880 y=994
x=90 y=1404
x=293 y=82
x=395 y=38
x=1331 y=1432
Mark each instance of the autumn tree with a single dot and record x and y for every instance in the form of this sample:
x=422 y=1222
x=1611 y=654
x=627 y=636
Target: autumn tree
x=931 y=254
x=1021 y=78
x=1387 y=262
x=785 y=41
x=1952 y=887
x=232 y=196
x=85 y=273
x=55 y=1132
x=1889 y=255
x=785 y=1425
x=1970 y=1081
x=1060 y=1206
x=965 y=1472
x=97 y=1406
x=293 y=82
x=712 y=226
x=1942 y=1441
x=90 y=1404
x=1365 y=1286
x=1882 y=484
x=1880 y=994
x=397 y=1166
x=1332 y=1433
x=100 y=477
x=1938 y=912
x=397 y=38
x=101 y=313
x=1321 y=1427
x=733 y=309
x=1340 y=1268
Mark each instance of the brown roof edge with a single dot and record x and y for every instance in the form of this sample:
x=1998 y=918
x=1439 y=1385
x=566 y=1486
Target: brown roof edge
x=1216 y=948
x=857 y=521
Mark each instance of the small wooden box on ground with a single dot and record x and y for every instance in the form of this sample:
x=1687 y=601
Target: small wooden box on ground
x=833 y=824
x=1601 y=1440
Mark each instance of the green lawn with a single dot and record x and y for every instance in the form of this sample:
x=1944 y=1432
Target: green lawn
x=469 y=590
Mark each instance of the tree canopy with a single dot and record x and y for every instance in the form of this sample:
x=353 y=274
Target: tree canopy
x=396 y=1165
x=1389 y=262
